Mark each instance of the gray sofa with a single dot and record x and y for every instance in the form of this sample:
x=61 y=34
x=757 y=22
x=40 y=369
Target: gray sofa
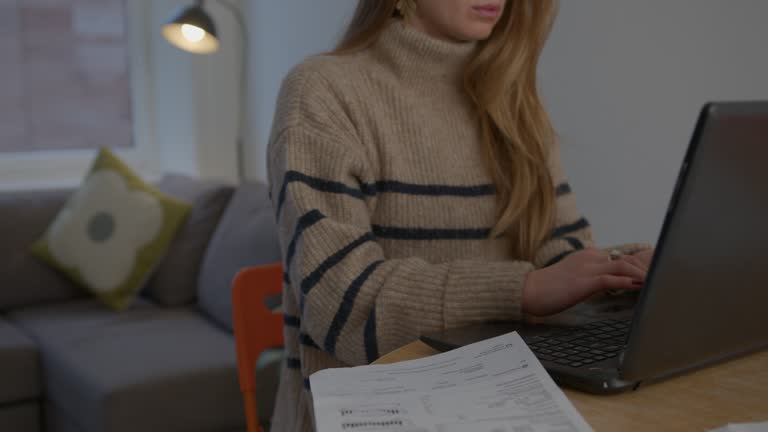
x=168 y=363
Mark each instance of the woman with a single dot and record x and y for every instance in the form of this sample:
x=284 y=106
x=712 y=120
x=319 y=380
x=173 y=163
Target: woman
x=418 y=187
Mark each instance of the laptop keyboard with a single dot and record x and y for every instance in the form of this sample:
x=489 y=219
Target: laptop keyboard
x=581 y=346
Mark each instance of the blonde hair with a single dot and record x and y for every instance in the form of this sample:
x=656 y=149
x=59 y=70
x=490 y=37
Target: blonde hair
x=517 y=134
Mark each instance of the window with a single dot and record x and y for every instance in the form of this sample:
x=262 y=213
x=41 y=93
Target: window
x=65 y=83
x=74 y=77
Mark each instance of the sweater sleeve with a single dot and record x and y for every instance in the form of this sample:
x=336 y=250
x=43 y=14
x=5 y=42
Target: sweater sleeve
x=572 y=231
x=355 y=303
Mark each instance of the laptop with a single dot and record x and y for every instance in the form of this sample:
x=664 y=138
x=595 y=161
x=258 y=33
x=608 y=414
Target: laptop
x=705 y=299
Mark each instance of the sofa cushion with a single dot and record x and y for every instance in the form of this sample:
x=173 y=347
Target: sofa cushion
x=146 y=368
x=246 y=236
x=175 y=282
x=112 y=232
x=19 y=366
x=24 y=216
x=20 y=417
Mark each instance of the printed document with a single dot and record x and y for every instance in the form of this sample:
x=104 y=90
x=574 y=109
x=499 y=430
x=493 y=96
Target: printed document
x=743 y=427
x=496 y=385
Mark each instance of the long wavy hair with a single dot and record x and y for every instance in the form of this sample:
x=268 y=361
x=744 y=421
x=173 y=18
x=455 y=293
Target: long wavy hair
x=517 y=134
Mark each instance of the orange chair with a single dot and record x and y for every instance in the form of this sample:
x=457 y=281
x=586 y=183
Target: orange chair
x=256 y=328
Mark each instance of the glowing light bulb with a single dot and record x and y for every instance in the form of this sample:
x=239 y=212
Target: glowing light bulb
x=192 y=33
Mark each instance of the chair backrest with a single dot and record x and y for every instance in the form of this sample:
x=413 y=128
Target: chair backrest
x=257 y=328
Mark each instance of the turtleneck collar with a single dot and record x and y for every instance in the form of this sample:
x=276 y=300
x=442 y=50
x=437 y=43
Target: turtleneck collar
x=418 y=58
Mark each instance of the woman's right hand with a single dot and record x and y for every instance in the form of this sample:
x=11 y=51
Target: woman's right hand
x=555 y=288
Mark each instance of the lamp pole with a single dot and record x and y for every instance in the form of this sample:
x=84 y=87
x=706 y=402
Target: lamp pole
x=193 y=30
x=240 y=143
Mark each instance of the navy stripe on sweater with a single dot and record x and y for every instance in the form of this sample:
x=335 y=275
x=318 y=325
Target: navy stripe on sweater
x=563 y=189
x=392 y=186
x=291 y=321
x=292 y=363
x=570 y=228
x=397 y=233
x=345 y=308
x=575 y=243
x=558 y=258
x=305 y=222
x=315 y=183
x=306 y=340
x=314 y=278
x=369 y=337
x=381 y=186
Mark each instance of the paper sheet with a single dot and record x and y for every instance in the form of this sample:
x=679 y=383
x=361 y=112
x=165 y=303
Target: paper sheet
x=743 y=427
x=495 y=385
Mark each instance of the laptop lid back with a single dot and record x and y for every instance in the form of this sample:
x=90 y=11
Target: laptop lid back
x=706 y=297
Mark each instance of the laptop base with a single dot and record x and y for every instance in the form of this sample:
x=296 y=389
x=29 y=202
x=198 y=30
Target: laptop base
x=598 y=377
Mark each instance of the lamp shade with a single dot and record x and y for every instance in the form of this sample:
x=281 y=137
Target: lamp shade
x=192 y=30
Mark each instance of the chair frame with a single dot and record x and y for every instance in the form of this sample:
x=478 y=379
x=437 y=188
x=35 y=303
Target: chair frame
x=256 y=328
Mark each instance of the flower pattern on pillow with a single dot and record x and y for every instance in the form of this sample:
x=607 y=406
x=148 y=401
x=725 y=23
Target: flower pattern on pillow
x=101 y=233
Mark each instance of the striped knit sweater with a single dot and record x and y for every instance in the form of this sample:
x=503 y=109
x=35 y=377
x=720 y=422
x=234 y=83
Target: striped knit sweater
x=384 y=209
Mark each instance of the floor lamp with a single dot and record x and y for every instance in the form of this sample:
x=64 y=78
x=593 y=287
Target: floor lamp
x=193 y=30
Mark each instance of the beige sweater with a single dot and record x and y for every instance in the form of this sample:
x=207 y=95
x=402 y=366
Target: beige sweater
x=385 y=207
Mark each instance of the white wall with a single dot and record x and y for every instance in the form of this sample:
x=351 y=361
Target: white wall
x=282 y=33
x=623 y=81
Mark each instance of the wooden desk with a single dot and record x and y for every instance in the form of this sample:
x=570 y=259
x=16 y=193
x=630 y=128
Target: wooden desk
x=733 y=392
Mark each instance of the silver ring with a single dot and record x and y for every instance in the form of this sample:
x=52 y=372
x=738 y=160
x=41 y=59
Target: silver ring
x=615 y=254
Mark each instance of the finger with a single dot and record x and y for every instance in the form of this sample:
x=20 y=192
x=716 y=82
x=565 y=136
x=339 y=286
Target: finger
x=609 y=282
x=645 y=256
x=622 y=268
x=636 y=261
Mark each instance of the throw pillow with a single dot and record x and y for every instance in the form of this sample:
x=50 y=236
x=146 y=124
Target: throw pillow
x=175 y=281
x=112 y=232
x=246 y=236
